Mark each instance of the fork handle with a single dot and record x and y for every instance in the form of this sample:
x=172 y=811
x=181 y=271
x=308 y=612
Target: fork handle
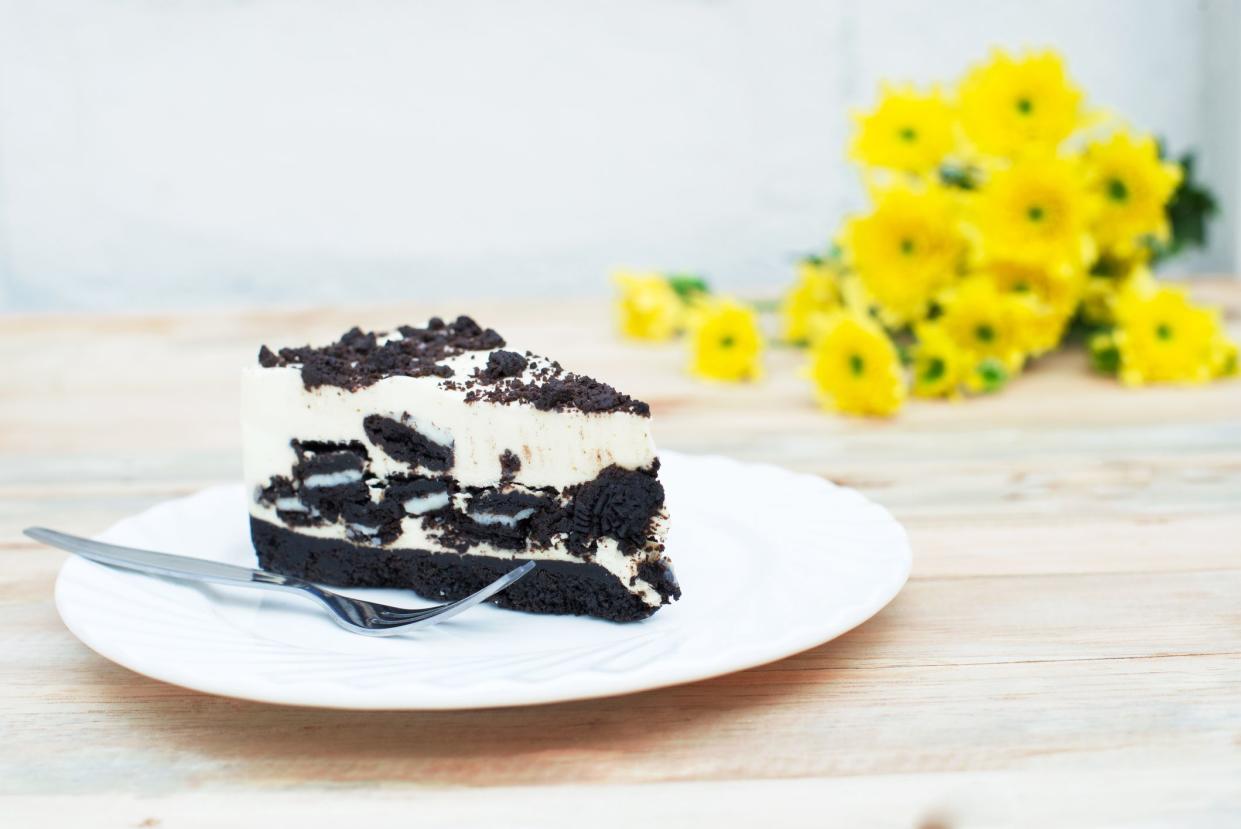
x=162 y=564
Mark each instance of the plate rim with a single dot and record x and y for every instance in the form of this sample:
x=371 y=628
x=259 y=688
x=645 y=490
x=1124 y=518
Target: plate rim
x=797 y=640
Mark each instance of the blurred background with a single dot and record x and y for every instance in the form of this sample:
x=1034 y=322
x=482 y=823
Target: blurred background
x=258 y=152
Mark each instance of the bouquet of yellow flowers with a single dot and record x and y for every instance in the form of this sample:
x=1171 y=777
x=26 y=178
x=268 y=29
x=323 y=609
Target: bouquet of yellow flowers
x=1004 y=216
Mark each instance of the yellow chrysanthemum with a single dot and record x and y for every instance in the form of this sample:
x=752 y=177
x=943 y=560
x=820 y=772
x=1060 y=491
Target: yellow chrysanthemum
x=906 y=249
x=648 y=308
x=725 y=341
x=1042 y=329
x=986 y=322
x=1054 y=294
x=1060 y=289
x=1035 y=213
x=908 y=131
x=1132 y=187
x=814 y=296
x=853 y=294
x=1017 y=106
x=939 y=364
x=855 y=367
x=1100 y=293
x=1162 y=337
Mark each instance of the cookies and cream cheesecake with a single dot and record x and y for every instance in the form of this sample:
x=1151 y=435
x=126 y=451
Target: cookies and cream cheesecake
x=439 y=458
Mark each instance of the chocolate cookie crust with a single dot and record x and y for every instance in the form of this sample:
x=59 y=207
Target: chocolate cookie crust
x=358 y=359
x=362 y=358
x=563 y=587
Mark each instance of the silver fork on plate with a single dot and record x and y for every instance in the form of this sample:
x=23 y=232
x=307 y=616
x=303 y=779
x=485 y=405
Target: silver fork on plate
x=354 y=615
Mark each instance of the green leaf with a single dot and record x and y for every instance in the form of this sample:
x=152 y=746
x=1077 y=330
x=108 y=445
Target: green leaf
x=1079 y=331
x=1110 y=267
x=992 y=374
x=1190 y=210
x=1106 y=360
x=688 y=285
x=963 y=178
x=1104 y=355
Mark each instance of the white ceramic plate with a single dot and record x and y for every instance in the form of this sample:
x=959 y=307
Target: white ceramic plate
x=771 y=563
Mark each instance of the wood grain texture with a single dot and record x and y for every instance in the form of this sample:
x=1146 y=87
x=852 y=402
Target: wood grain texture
x=1067 y=652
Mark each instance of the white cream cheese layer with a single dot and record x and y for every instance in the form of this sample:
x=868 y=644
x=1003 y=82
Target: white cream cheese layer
x=556 y=448
x=414 y=537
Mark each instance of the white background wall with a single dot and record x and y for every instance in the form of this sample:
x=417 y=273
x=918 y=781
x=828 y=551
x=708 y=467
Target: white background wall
x=157 y=153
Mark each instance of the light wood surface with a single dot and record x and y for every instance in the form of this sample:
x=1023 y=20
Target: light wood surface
x=1067 y=651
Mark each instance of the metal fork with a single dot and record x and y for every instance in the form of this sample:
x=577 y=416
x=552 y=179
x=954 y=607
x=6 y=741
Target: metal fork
x=354 y=615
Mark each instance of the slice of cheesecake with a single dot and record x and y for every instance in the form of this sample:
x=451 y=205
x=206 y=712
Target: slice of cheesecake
x=438 y=459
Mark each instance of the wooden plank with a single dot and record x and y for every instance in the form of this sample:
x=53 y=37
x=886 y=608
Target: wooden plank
x=1170 y=795
x=148 y=738
x=1121 y=666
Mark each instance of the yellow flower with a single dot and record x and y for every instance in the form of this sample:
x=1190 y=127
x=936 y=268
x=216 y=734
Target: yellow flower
x=1132 y=187
x=908 y=131
x=1041 y=329
x=1011 y=106
x=855 y=367
x=854 y=296
x=1053 y=294
x=1100 y=294
x=985 y=322
x=906 y=249
x=1059 y=289
x=1035 y=213
x=648 y=308
x=939 y=365
x=814 y=296
x=725 y=341
x=1162 y=337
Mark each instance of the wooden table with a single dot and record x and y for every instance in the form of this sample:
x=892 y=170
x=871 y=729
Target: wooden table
x=1069 y=642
